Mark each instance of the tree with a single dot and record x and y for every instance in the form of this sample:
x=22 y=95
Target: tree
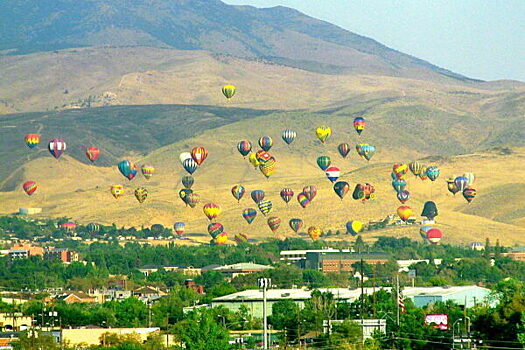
x=315 y=279
x=200 y=331
x=346 y=335
x=33 y=340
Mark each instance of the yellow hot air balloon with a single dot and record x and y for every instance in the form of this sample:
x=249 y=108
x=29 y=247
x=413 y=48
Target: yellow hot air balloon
x=315 y=232
x=323 y=133
x=404 y=212
x=222 y=238
x=228 y=91
x=268 y=168
x=117 y=191
x=211 y=210
x=252 y=158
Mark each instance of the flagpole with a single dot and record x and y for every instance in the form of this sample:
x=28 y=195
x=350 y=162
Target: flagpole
x=397 y=292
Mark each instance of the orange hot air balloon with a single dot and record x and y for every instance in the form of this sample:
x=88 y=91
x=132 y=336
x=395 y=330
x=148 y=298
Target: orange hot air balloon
x=199 y=154
x=93 y=153
x=315 y=232
x=404 y=212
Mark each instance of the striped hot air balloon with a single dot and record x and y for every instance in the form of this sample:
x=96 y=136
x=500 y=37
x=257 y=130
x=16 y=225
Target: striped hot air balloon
x=56 y=148
x=265 y=206
x=29 y=187
x=228 y=91
x=288 y=136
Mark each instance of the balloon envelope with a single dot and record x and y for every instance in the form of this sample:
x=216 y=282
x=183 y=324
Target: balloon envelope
x=29 y=187
x=92 y=153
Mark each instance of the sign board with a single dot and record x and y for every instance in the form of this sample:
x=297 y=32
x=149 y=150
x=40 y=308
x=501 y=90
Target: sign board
x=440 y=321
x=412 y=273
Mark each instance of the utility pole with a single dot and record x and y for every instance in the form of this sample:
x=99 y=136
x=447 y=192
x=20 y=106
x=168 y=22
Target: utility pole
x=397 y=301
x=264 y=283
x=374 y=301
x=362 y=294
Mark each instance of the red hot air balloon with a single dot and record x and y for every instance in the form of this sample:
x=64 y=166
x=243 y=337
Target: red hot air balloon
x=434 y=235
x=29 y=187
x=93 y=153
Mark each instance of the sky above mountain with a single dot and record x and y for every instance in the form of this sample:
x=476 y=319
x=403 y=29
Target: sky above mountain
x=477 y=38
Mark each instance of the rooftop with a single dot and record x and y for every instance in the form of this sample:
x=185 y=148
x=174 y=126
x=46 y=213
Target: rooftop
x=243 y=266
x=340 y=293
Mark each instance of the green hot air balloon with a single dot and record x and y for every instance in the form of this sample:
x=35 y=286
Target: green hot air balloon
x=323 y=162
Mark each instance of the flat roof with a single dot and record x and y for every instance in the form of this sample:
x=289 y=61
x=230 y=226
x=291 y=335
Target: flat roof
x=243 y=266
x=339 y=293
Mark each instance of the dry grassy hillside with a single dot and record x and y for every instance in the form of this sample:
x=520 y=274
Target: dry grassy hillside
x=69 y=188
x=91 y=77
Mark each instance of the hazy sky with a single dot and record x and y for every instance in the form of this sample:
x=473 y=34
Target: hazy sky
x=482 y=39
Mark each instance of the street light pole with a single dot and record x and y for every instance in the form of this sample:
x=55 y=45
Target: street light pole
x=264 y=283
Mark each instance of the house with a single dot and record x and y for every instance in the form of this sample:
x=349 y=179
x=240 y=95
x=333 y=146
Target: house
x=148 y=294
x=186 y=270
x=77 y=297
x=14 y=321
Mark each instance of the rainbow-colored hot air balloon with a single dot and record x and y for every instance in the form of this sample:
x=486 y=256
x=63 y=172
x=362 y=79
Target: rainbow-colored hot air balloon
x=29 y=187
x=147 y=171
x=180 y=228
x=303 y=200
x=266 y=143
x=296 y=224
x=249 y=215
x=238 y=192
x=32 y=140
x=244 y=147
x=274 y=222
x=211 y=210
x=344 y=149
x=359 y=124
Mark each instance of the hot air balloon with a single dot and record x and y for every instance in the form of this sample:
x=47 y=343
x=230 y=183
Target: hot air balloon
x=228 y=91
x=423 y=176
x=211 y=210
x=287 y=194
x=141 y=194
x=323 y=133
x=68 y=226
x=147 y=171
x=92 y=153
x=192 y=199
x=359 y=124
x=187 y=181
x=341 y=188
x=238 y=192
x=399 y=185
x=432 y=172
x=400 y=170
x=32 y=140
x=354 y=227
x=470 y=178
x=415 y=167
x=184 y=193
x=93 y=228
x=214 y=229
x=323 y=162
x=56 y=148
x=403 y=196
x=257 y=195
x=368 y=151
x=265 y=206
x=268 y=168
x=117 y=191
x=190 y=165
x=310 y=192
x=344 y=149
x=199 y=154
x=252 y=158
x=296 y=224
x=332 y=173
x=469 y=194
x=244 y=147
x=183 y=156
x=29 y=187
x=451 y=185
x=274 y=222
x=303 y=200
x=461 y=183
x=363 y=192
x=221 y=239
x=263 y=156
x=434 y=235
x=288 y=136
x=240 y=238
x=430 y=210
x=128 y=169
x=423 y=231
x=249 y=215
x=266 y=142
x=315 y=232
x=477 y=246
x=179 y=227
x=404 y=212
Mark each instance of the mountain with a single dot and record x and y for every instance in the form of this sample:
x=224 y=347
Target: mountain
x=279 y=34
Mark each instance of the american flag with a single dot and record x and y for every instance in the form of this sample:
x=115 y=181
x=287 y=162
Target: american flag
x=400 y=302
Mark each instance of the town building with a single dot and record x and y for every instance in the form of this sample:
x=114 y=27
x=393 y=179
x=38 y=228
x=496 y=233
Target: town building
x=422 y=296
x=77 y=297
x=337 y=262
x=63 y=254
x=95 y=336
x=24 y=251
x=298 y=255
x=14 y=321
x=186 y=270
x=148 y=294
x=231 y=271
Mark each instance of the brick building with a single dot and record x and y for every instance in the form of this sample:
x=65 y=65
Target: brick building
x=336 y=262
x=63 y=254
